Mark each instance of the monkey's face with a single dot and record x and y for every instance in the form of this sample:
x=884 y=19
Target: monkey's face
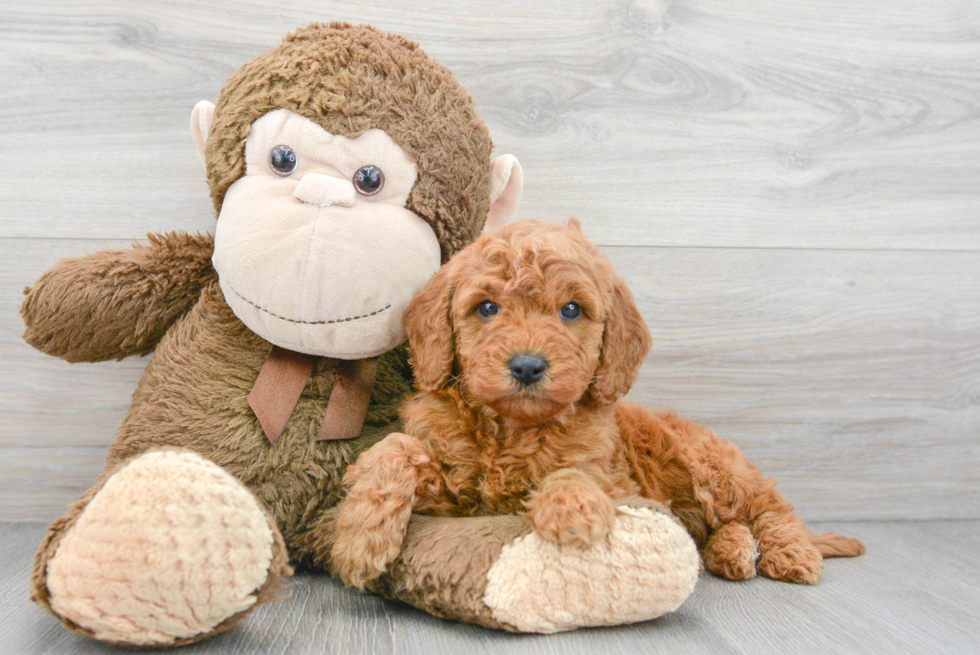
x=314 y=248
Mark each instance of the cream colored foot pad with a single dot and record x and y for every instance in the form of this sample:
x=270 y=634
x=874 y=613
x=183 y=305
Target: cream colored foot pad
x=646 y=568
x=171 y=546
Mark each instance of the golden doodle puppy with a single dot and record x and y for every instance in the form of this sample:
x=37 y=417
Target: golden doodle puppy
x=522 y=345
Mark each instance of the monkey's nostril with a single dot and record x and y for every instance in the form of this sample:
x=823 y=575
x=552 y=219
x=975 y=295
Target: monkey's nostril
x=526 y=368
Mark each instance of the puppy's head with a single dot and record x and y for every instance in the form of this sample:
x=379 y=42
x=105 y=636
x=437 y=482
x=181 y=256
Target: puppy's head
x=529 y=320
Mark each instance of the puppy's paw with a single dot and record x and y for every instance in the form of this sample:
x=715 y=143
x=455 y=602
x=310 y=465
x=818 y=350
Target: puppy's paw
x=731 y=552
x=360 y=556
x=370 y=533
x=373 y=518
x=572 y=512
x=798 y=562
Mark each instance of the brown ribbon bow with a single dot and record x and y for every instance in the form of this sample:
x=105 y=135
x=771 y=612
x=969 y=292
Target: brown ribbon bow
x=282 y=380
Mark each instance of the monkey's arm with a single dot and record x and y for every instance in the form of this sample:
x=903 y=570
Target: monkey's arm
x=116 y=303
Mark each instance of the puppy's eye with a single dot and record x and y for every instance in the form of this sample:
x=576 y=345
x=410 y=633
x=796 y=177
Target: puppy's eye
x=487 y=308
x=570 y=312
x=368 y=180
x=283 y=160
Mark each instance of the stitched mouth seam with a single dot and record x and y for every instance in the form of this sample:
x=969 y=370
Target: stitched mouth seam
x=293 y=320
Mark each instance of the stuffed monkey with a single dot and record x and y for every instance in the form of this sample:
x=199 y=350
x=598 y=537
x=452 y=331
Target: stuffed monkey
x=345 y=166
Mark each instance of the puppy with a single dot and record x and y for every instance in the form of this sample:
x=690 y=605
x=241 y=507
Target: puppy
x=522 y=345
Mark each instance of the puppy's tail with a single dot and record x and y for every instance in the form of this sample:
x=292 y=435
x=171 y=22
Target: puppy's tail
x=834 y=545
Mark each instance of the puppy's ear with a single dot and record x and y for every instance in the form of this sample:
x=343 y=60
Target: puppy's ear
x=430 y=332
x=625 y=344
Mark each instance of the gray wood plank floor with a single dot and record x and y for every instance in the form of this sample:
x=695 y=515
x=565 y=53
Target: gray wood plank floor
x=915 y=591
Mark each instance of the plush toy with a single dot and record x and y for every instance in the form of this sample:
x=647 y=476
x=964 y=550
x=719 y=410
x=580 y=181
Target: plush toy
x=345 y=166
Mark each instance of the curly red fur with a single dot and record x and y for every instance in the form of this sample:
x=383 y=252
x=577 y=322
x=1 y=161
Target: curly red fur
x=480 y=442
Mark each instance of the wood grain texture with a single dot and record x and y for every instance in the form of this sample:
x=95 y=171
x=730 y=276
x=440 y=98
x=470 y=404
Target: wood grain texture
x=710 y=122
x=913 y=592
x=790 y=189
x=853 y=378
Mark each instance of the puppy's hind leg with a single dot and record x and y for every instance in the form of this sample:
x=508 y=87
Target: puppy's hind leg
x=731 y=552
x=382 y=490
x=786 y=552
x=742 y=495
x=731 y=490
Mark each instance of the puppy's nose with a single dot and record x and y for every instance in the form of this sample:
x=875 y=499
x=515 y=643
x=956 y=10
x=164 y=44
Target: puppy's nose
x=527 y=369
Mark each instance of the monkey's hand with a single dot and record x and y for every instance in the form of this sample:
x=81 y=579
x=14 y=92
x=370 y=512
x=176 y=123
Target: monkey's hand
x=117 y=303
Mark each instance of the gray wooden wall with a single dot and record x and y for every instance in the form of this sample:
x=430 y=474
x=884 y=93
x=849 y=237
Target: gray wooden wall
x=791 y=188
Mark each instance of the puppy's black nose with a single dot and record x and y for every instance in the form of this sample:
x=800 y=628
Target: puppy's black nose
x=527 y=369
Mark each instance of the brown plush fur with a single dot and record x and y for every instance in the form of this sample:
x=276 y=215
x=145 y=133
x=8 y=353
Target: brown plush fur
x=443 y=563
x=194 y=392
x=479 y=443
x=164 y=297
x=349 y=79
x=117 y=303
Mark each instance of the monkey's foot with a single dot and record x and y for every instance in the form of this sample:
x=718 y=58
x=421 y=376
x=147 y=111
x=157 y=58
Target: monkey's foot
x=171 y=550
x=646 y=567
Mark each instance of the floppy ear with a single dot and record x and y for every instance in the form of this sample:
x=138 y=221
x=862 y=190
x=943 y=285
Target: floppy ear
x=626 y=341
x=430 y=332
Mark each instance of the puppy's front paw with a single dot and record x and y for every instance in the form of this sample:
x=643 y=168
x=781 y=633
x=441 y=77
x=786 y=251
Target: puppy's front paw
x=572 y=513
x=372 y=519
x=798 y=562
x=369 y=538
x=360 y=556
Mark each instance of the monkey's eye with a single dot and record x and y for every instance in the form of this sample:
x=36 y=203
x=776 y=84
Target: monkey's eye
x=283 y=160
x=487 y=308
x=368 y=180
x=570 y=312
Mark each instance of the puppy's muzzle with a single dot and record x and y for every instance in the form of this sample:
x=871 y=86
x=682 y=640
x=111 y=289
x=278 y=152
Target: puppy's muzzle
x=527 y=368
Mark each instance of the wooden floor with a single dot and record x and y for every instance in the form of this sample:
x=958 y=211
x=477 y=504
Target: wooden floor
x=914 y=591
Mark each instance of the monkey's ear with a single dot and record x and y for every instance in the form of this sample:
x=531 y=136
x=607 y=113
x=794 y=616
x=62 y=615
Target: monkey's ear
x=626 y=341
x=429 y=327
x=201 y=118
x=506 y=186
